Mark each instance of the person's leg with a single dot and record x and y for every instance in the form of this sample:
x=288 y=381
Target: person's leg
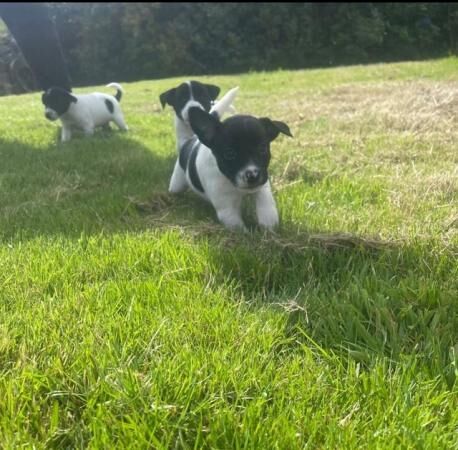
x=36 y=36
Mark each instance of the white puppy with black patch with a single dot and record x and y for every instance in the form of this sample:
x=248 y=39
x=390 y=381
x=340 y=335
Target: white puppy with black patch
x=84 y=111
x=224 y=161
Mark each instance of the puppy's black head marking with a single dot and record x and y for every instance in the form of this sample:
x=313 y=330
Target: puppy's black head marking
x=193 y=90
x=274 y=127
x=58 y=99
x=240 y=144
x=204 y=93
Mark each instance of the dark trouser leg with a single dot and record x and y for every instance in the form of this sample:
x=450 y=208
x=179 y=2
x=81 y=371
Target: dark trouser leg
x=37 y=38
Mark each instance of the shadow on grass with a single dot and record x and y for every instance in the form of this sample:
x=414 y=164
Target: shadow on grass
x=341 y=294
x=361 y=299
x=84 y=186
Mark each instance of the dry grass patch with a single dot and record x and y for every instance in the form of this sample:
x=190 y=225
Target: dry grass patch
x=415 y=107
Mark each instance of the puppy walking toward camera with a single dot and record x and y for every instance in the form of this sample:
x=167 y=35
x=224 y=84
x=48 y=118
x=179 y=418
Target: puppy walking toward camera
x=85 y=111
x=227 y=160
x=222 y=161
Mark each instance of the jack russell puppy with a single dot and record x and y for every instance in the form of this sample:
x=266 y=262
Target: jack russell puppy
x=189 y=94
x=84 y=111
x=224 y=161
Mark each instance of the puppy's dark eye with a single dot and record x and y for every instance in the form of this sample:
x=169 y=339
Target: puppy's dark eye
x=229 y=155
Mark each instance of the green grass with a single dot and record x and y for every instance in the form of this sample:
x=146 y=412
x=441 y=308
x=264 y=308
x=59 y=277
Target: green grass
x=131 y=319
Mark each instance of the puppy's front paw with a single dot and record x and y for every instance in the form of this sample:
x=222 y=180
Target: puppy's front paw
x=231 y=219
x=268 y=218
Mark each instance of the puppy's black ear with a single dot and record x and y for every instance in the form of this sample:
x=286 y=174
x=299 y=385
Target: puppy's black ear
x=274 y=128
x=204 y=125
x=168 y=97
x=213 y=91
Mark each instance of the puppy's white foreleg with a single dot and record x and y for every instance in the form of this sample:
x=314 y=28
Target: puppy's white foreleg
x=231 y=218
x=266 y=209
x=66 y=134
x=178 y=181
x=228 y=210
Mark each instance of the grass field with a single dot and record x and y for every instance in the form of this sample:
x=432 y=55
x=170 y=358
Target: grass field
x=131 y=319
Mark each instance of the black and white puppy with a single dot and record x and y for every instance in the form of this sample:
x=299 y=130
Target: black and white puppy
x=84 y=111
x=188 y=95
x=226 y=161
x=182 y=98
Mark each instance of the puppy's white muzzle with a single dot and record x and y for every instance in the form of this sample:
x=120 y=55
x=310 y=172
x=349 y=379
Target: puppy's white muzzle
x=50 y=114
x=250 y=179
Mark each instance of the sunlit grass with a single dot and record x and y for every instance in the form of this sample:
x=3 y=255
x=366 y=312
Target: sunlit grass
x=131 y=319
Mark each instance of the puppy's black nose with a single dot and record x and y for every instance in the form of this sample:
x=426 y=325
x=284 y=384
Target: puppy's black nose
x=252 y=175
x=48 y=115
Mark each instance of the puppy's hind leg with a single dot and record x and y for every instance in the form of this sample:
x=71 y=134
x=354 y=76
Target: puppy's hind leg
x=178 y=181
x=118 y=119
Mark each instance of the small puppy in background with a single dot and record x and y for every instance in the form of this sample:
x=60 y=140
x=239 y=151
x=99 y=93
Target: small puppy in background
x=83 y=111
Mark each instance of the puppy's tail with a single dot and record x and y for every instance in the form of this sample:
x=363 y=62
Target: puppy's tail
x=225 y=103
x=119 y=90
